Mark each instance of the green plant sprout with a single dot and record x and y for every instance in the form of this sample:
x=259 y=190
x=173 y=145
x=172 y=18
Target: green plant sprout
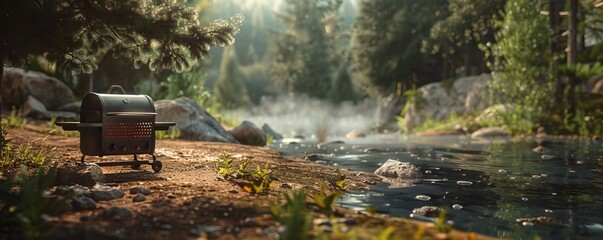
x=341 y=181
x=326 y=202
x=441 y=224
x=294 y=215
x=255 y=181
x=15 y=119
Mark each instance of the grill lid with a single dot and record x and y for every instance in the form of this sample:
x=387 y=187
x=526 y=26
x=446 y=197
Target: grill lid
x=97 y=105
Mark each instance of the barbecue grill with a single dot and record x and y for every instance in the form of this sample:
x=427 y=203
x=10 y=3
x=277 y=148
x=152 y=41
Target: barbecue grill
x=118 y=124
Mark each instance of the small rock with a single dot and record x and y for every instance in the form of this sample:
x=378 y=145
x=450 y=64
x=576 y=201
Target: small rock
x=106 y=193
x=140 y=190
x=268 y=130
x=88 y=174
x=427 y=211
x=85 y=218
x=286 y=186
x=117 y=213
x=355 y=134
x=71 y=191
x=396 y=169
x=138 y=198
x=62 y=204
x=542 y=150
x=83 y=203
x=199 y=230
x=171 y=196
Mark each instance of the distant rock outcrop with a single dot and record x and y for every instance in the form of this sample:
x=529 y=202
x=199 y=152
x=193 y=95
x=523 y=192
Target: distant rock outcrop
x=438 y=100
x=192 y=120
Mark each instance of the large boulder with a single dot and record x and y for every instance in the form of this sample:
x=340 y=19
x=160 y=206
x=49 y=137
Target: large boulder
x=33 y=108
x=19 y=84
x=437 y=101
x=249 y=134
x=268 y=130
x=192 y=120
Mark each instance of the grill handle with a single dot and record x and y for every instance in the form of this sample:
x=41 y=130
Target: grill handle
x=114 y=87
x=131 y=114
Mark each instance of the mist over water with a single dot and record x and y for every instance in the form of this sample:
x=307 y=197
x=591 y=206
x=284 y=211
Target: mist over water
x=302 y=115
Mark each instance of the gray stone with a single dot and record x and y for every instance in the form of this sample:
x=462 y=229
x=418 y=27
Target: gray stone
x=268 y=130
x=388 y=109
x=33 y=108
x=138 y=198
x=490 y=132
x=427 y=211
x=355 y=134
x=71 y=191
x=118 y=213
x=249 y=134
x=83 y=203
x=88 y=174
x=19 y=84
x=141 y=190
x=398 y=170
x=192 y=120
x=437 y=101
x=105 y=193
x=73 y=107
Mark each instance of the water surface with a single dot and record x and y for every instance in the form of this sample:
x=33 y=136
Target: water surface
x=490 y=183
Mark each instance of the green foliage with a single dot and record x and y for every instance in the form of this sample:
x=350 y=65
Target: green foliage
x=463 y=25
x=161 y=34
x=185 y=84
x=3 y=140
x=342 y=87
x=230 y=89
x=303 y=56
x=24 y=204
x=172 y=133
x=441 y=224
x=326 y=201
x=15 y=119
x=295 y=215
x=521 y=66
x=341 y=181
x=255 y=181
x=25 y=154
x=386 y=45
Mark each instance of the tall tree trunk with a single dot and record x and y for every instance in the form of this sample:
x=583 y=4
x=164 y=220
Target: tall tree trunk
x=572 y=45
x=556 y=47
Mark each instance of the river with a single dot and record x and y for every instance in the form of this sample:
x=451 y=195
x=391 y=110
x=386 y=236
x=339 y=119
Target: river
x=485 y=185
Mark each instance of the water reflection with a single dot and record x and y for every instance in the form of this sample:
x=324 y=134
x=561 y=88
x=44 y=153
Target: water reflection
x=484 y=185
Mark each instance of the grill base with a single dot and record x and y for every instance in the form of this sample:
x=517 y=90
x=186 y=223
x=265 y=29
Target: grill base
x=156 y=165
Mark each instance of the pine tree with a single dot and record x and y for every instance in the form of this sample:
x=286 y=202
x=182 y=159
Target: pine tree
x=163 y=34
x=303 y=55
x=230 y=89
x=343 y=88
x=386 y=44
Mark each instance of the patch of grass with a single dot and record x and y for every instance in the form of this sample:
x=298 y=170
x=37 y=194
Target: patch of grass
x=172 y=133
x=252 y=181
x=295 y=215
x=341 y=181
x=30 y=154
x=3 y=138
x=15 y=119
x=25 y=204
x=325 y=202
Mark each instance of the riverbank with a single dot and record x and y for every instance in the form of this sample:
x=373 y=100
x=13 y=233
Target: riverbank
x=189 y=199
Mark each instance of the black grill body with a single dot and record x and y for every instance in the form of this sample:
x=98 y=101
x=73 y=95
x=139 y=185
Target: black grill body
x=117 y=124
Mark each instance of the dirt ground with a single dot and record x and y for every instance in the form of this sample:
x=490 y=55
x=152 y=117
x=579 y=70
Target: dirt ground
x=188 y=194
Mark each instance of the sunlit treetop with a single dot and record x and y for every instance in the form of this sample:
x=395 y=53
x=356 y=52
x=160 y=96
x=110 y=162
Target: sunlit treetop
x=164 y=34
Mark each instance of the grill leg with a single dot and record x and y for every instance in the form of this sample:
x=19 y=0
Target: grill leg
x=136 y=165
x=156 y=164
x=82 y=160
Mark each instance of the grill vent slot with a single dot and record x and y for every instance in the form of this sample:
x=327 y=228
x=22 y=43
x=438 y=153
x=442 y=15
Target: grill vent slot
x=128 y=130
